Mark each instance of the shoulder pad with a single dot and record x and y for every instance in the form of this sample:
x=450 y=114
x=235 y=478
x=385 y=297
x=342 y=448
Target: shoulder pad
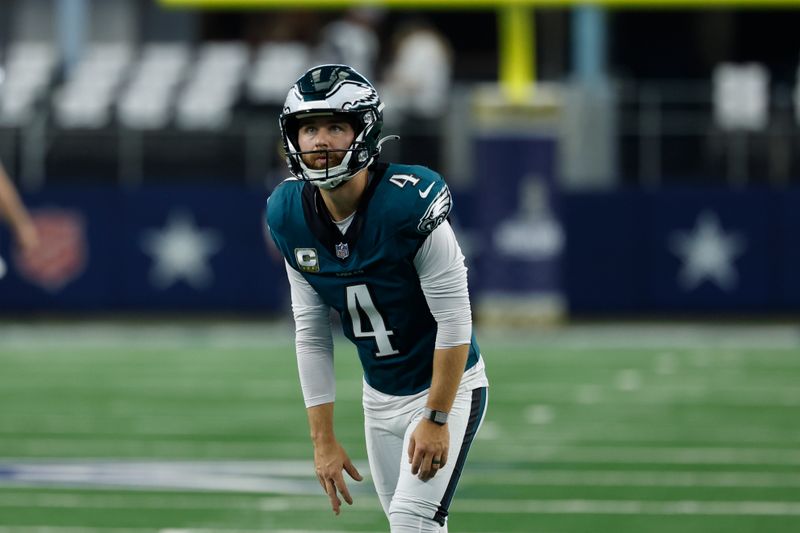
x=278 y=203
x=422 y=195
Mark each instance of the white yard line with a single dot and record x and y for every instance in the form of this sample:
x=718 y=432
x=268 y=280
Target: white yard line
x=296 y=477
x=624 y=454
x=656 y=335
x=579 y=506
x=623 y=433
x=89 y=529
x=631 y=507
x=16 y=428
x=53 y=447
x=460 y=506
x=231 y=335
x=65 y=529
x=99 y=335
x=504 y=451
x=217 y=530
x=628 y=478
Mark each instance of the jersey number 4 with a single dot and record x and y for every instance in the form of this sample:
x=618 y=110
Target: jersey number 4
x=358 y=297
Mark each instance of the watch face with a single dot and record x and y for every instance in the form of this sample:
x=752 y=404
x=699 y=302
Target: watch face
x=439 y=417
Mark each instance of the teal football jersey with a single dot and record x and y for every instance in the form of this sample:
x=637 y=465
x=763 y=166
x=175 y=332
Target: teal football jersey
x=367 y=275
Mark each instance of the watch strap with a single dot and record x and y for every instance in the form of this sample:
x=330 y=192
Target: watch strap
x=437 y=417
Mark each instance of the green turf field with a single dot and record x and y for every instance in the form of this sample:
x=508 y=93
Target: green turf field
x=200 y=428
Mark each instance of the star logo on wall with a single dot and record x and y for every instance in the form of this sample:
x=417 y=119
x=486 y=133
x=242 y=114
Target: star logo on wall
x=181 y=252
x=707 y=253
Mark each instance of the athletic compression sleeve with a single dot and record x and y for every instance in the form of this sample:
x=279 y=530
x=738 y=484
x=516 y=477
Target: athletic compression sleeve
x=313 y=341
x=443 y=277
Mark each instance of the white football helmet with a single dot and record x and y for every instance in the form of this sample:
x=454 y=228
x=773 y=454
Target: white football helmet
x=333 y=89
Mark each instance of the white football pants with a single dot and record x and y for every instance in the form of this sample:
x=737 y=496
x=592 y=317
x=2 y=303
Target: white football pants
x=401 y=492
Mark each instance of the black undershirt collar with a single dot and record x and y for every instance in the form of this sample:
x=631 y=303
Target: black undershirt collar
x=321 y=223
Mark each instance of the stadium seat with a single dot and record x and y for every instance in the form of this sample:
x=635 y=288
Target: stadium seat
x=28 y=73
x=146 y=103
x=277 y=66
x=85 y=99
x=213 y=86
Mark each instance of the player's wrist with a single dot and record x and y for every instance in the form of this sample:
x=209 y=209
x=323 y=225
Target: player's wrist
x=437 y=417
x=323 y=440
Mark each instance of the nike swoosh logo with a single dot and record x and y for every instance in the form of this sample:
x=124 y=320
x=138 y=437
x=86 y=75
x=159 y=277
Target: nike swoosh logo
x=426 y=192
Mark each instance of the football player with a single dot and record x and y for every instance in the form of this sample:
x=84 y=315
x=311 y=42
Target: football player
x=372 y=241
x=14 y=212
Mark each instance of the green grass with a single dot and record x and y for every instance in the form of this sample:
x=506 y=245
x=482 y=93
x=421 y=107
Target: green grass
x=201 y=427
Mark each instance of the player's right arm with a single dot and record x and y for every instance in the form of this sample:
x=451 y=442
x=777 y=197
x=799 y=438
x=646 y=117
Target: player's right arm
x=330 y=458
x=314 y=348
x=12 y=208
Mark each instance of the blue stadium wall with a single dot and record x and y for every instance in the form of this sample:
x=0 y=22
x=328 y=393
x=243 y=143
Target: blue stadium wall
x=203 y=249
x=712 y=251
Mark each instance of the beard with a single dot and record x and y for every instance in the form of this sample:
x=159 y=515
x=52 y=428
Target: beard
x=320 y=160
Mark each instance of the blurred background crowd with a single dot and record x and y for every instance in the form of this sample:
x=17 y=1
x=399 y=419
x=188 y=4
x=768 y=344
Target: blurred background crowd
x=124 y=89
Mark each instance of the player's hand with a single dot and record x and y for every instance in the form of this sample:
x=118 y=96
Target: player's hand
x=427 y=451
x=27 y=236
x=329 y=460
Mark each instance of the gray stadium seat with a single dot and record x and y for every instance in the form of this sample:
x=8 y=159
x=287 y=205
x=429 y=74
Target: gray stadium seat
x=213 y=86
x=277 y=66
x=28 y=73
x=85 y=99
x=147 y=102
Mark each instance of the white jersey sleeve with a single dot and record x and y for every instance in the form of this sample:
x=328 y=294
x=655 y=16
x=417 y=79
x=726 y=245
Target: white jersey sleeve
x=313 y=341
x=443 y=278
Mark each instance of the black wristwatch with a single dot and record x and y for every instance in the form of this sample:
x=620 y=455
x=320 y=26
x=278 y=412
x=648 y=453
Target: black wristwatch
x=437 y=417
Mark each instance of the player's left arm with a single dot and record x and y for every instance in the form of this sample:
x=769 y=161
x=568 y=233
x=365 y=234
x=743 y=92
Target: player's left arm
x=430 y=442
x=443 y=278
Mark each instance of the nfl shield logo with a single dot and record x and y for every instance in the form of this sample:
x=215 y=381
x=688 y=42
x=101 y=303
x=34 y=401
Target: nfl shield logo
x=342 y=250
